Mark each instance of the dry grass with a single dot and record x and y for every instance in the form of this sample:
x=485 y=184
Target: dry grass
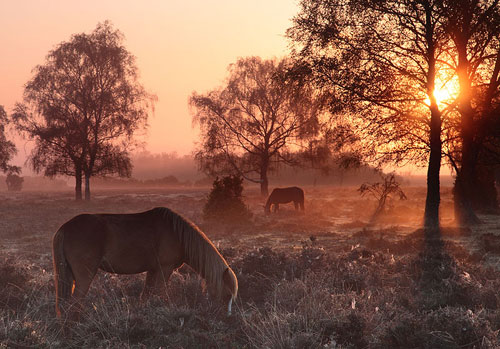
x=314 y=280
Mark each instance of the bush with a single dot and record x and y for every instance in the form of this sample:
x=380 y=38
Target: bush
x=225 y=201
x=14 y=182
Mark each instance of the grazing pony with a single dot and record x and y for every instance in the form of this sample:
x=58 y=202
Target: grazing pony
x=283 y=196
x=156 y=241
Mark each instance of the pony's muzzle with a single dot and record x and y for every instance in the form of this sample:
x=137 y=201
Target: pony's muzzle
x=229 y=305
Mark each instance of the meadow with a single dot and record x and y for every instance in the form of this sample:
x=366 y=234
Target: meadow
x=319 y=279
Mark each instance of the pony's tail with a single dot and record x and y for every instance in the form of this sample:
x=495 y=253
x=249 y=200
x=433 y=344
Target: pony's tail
x=63 y=275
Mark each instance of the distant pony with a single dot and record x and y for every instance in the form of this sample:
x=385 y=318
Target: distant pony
x=283 y=196
x=156 y=241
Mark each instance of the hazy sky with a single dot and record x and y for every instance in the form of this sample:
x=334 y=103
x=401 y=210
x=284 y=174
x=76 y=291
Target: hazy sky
x=181 y=46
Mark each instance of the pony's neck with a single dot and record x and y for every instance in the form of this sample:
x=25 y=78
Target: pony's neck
x=199 y=252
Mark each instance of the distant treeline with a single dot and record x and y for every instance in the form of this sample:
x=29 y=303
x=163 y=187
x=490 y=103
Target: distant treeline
x=153 y=166
x=170 y=169
x=173 y=170
x=168 y=181
x=287 y=175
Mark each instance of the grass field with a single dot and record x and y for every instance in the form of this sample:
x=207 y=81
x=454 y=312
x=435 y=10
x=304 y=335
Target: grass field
x=319 y=279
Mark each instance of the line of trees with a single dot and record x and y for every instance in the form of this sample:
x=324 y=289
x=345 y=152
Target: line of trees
x=360 y=85
x=383 y=60
x=377 y=64
x=261 y=117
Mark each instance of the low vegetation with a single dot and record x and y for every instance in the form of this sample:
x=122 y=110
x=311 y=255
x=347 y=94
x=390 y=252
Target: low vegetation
x=318 y=280
x=225 y=201
x=14 y=182
x=382 y=191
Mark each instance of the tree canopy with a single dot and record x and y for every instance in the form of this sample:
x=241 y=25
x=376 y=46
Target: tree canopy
x=473 y=27
x=7 y=148
x=381 y=62
x=83 y=106
x=256 y=120
x=420 y=78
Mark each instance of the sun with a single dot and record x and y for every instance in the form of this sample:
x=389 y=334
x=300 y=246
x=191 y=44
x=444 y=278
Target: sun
x=444 y=94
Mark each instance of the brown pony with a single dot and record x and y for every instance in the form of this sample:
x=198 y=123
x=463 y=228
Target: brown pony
x=156 y=241
x=283 y=196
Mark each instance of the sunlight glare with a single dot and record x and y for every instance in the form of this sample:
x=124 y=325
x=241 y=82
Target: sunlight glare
x=444 y=95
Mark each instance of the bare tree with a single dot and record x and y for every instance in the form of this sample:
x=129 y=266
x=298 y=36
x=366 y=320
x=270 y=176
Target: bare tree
x=83 y=106
x=259 y=118
x=382 y=191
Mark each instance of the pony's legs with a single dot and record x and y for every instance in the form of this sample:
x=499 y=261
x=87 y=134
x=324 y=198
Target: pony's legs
x=276 y=207
x=156 y=281
x=296 y=204
x=83 y=277
x=148 y=286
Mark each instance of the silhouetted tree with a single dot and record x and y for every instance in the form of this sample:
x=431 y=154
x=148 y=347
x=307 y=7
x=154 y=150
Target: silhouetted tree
x=252 y=122
x=382 y=191
x=474 y=29
x=83 y=106
x=381 y=61
x=7 y=148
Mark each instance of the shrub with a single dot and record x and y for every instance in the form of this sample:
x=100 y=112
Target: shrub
x=14 y=182
x=382 y=192
x=225 y=201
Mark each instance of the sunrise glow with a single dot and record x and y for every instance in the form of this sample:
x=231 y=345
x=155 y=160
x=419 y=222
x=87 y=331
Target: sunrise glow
x=180 y=47
x=444 y=94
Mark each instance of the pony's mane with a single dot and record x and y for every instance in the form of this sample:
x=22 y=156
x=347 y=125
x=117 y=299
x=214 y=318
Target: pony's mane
x=199 y=252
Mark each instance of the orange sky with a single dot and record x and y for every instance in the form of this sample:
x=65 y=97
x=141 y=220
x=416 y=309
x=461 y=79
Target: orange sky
x=181 y=46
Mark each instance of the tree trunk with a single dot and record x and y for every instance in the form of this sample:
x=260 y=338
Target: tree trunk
x=264 y=185
x=431 y=216
x=484 y=197
x=264 y=182
x=433 y=198
x=464 y=183
x=78 y=185
x=464 y=213
x=87 y=187
x=463 y=189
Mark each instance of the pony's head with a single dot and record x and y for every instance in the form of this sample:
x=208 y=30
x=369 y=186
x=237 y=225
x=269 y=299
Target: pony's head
x=230 y=287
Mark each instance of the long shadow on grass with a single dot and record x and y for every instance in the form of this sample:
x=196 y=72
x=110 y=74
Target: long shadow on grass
x=440 y=281
x=451 y=308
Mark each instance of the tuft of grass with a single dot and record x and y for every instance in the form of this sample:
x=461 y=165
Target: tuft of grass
x=14 y=280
